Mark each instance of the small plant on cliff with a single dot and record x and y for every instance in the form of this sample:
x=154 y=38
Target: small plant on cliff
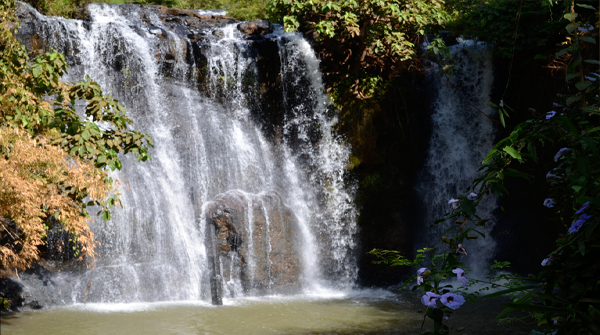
x=52 y=161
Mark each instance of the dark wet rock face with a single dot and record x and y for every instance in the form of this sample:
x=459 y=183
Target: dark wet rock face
x=13 y=291
x=253 y=242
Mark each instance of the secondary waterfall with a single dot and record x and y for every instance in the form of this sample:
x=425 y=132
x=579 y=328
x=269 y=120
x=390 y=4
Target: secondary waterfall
x=246 y=194
x=460 y=139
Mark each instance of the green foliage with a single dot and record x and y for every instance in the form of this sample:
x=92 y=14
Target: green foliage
x=363 y=46
x=34 y=99
x=511 y=26
x=565 y=297
x=239 y=9
x=392 y=258
x=4 y=303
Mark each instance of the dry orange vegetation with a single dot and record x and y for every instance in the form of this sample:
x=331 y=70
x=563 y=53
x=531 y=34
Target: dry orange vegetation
x=53 y=162
x=39 y=180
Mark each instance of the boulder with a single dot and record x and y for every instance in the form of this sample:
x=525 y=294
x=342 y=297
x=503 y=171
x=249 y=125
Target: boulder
x=157 y=31
x=253 y=240
x=13 y=291
x=255 y=27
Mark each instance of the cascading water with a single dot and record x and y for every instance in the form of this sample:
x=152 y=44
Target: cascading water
x=224 y=201
x=460 y=139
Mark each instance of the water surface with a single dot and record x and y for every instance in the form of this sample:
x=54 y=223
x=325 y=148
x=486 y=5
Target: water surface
x=366 y=312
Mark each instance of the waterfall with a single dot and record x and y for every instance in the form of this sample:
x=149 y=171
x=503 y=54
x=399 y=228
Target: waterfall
x=243 y=195
x=460 y=139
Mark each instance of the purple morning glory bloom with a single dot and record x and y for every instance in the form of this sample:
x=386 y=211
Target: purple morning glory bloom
x=472 y=196
x=549 y=202
x=452 y=300
x=429 y=299
x=583 y=208
x=460 y=275
x=455 y=203
x=552 y=175
x=591 y=78
x=578 y=223
x=560 y=153
x=586 y=28
x=550 y=115
x=420 y=275
x=547 y=261
x=461 y=250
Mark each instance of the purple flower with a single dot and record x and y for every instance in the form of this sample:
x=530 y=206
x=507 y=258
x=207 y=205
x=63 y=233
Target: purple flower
x=550 y=115
x=472 y=196
x=556 y=105
x=460 y=275
x=455 y=203
x=549 y=202
x=552 y=175
x=594 y=74
x=583 y=208
x=560 y=153
x=452 y=300
x=578 y=223
x=585 y=28
x=461 y=250
x=429 y=299
x=420 y=274
x=547 y=261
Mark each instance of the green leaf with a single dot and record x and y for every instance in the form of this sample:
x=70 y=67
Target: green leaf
x=105 y=215
x=571 y=16
x=549 y=297
x=36 y=71
x=514 y=173
x=592 y=109
x=581 y=247
x=490 y=155
x=586 y=6
x=592 y=61
x=573 y=99
x=587 y=39
x=504 y=313
x=510 y=290
x=572 y=75
x=562 y=52
x=468 y=206
x=582 y=85
x=101 y=159
x=502 y=119
x=86 y=135
x=571 y=27
x=512 y=151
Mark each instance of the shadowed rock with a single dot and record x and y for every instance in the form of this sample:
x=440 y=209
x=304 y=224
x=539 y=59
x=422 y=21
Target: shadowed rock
x=253 y=242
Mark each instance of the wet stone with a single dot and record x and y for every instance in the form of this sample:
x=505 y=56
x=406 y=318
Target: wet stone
x=255 y=27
